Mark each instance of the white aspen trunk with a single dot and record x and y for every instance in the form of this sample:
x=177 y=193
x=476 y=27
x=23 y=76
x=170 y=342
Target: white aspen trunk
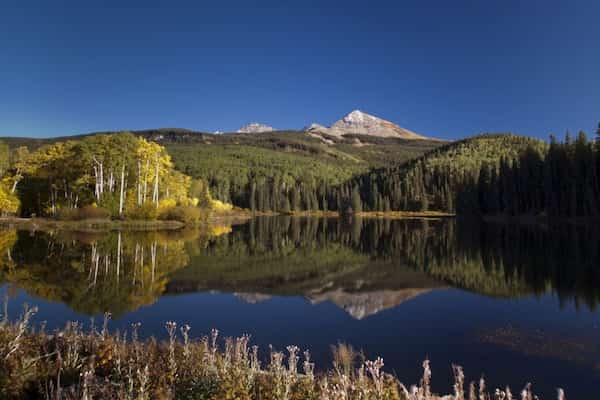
x=146 y=181
x=139 y=183
x=96 y=186
x=101 y=181
x=99 y=175
x=17 y=179
x=121 y=195
x=155 y=194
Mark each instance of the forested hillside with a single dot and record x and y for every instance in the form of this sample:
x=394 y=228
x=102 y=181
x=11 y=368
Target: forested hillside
x=435 y=180
x=562 y=182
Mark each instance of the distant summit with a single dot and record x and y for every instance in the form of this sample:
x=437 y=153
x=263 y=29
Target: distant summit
x=358 y=122
x=255 y=127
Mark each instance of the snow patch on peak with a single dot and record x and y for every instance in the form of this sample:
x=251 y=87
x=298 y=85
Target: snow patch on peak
x=255 y=127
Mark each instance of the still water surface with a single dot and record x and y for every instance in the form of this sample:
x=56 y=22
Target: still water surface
x=513 y=303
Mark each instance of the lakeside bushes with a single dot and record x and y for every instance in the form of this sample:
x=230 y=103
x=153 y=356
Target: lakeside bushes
x=83 y=213
x=186 y=214
x=77 y=364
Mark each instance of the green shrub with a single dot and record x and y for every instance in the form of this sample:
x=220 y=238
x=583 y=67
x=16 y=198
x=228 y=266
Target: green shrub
x=110 y=202
x=67 y=214
x=86 y=212
x=146 y=211
x=185 y=214
x=93 y=212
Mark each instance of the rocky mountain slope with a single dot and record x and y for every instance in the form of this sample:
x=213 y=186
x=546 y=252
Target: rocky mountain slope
x=358 y=122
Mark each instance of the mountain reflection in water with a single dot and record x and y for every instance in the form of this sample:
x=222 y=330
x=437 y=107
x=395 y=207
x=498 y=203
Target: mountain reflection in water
x=361 y=266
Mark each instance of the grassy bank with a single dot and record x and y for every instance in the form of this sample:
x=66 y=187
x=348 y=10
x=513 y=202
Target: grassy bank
x=233 y=217
x=49 y=224
x=77 y=364
x=87 y=224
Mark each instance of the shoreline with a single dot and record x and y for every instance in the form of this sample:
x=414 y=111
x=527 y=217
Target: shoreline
x=87 y=225
x=102 y=225
x=236 y=218
x=240 y=217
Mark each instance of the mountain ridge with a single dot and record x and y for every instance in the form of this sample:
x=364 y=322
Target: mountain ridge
x=362 y=123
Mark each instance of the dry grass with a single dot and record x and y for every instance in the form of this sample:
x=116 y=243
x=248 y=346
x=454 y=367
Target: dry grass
x=96 y=364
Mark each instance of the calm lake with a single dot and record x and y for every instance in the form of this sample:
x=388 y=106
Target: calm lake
x=514 y=303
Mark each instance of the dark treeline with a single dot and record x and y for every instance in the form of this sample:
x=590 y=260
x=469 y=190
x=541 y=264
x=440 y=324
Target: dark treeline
x=433 y=181
x=562 y=182
x=488 y=174
x=429 y=182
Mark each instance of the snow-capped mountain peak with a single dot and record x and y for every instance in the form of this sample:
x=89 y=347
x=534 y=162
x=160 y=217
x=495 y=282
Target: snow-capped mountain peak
x=361 y=123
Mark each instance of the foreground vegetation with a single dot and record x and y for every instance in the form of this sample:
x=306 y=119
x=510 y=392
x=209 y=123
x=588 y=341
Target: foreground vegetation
x=77 y=364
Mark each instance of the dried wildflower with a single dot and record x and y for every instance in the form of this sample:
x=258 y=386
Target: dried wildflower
x=185 y=333
x=22 y=327
x=459 y=382
x=254 y=361
x=309 y=368
x=472 y=395
x=526 y=392
x=172 y=329
x=374 y=369
x=293 y=359
x=426 y=382
x=104 y=332
x=482 y=394
x=144 y=380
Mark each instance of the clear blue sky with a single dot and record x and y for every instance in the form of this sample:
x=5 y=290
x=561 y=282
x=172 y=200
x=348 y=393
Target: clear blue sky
x=443 y=68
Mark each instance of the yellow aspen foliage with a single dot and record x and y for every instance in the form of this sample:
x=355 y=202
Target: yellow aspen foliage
x=9 y=203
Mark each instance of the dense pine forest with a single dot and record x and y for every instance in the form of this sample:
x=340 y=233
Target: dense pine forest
x=563 y=182
x=138 y=175
x=434 y=180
